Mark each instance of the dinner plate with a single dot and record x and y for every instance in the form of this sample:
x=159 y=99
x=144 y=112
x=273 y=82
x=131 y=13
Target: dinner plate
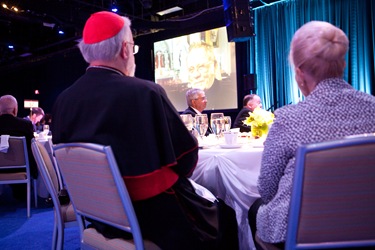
x=230 y=145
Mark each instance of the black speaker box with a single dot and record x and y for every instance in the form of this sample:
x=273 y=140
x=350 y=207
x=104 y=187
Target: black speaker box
x=239 y=20
x=249 y=82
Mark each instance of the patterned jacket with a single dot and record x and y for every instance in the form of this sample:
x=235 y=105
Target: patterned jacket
x=331 y=111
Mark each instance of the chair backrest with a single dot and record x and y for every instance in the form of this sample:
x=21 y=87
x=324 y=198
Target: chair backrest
x=333 y=196
x=96 y=187
x=49 y=148
x=46 y=168
x=16 y=157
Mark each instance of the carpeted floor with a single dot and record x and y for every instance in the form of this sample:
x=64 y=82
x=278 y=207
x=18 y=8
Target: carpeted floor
x=17 y=232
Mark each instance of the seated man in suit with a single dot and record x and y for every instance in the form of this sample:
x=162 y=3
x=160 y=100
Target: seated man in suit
x=36 y=115
x=12 y=125
x=250 y=102
x=197 y=102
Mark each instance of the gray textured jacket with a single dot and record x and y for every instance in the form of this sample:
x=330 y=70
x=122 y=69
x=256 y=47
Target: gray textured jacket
x=333 y=110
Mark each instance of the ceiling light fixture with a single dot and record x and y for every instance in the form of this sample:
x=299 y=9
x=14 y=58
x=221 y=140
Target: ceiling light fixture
x=169 y=11
x=114 y=7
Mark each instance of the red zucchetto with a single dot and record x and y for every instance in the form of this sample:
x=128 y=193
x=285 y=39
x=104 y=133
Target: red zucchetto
x=101 y=26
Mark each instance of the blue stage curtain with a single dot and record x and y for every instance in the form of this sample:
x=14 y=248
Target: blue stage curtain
x=274 y=28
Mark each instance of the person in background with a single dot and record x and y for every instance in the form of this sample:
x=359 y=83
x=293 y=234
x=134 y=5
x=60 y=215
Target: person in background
x=202 y=66
x=46 y=120
x=36 y=115
x=250 y=102
x=12 y=125
x=196 y=101
x=204 y=73
x=109 y=106
x=331 y=110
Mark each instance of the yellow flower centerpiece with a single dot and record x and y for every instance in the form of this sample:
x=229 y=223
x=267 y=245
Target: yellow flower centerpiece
x=259 y=120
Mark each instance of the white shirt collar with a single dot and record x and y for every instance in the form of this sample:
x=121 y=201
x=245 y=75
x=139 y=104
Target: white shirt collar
x=196 y=111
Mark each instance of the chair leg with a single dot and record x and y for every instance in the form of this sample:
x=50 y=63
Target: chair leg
x=59 y=226
x=54 y=236
x=28 y=194
x=35 y=193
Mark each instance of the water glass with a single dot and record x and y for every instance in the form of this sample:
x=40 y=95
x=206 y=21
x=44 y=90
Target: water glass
x=188 y=120
x=217 y=123
x=46 y=129
x=227 y=123
x=201 y=124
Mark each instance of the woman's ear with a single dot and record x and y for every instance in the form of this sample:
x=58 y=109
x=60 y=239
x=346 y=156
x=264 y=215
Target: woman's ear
x=300 y=78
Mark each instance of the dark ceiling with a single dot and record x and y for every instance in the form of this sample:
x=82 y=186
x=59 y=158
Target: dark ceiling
x=30 y=28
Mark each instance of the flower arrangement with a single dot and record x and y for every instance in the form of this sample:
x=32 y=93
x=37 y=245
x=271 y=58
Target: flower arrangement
x=259 y=120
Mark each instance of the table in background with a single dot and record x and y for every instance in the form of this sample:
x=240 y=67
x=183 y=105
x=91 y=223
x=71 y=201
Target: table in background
x=231 y=174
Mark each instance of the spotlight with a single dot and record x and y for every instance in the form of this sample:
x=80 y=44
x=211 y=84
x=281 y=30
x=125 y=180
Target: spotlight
x=114 y=7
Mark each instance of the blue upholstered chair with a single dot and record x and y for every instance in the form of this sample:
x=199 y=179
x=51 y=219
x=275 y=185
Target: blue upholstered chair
x=17 y=158
x=98 y=192
x=333 y=197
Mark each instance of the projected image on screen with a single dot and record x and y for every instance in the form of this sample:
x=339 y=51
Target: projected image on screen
x=202 y=60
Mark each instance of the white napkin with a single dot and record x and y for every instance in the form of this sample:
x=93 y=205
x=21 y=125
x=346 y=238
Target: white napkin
x=202 y=191
x=4 y=145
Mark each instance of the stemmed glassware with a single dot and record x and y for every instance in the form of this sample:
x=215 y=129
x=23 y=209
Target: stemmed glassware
x=46 y=129
x=188 y=120
x=227 y=123
x=201 y=124
x=217 y=123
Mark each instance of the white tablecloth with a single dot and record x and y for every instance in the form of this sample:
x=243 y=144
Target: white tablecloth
x=231 y=174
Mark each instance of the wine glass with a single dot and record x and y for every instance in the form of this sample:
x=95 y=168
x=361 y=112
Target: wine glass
x=188 y=120
x=46 y=129
x=201 y=124
x=217 y=123
x=227 y=123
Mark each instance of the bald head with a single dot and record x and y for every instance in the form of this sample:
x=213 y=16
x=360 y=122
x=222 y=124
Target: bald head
x=8 y=105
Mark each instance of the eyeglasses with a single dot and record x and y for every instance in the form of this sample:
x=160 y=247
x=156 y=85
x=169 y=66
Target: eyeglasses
x=202 y=97
x=135 y=48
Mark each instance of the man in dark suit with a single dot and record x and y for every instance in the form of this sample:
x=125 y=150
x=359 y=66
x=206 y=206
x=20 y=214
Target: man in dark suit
x=12 y=125
x=250 y=102
x=37 y=114
x=197 y=102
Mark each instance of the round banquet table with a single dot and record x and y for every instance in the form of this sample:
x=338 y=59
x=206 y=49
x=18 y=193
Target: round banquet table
x=231 y=174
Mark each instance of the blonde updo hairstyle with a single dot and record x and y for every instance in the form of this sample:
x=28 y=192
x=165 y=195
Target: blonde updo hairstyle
x=318 y=48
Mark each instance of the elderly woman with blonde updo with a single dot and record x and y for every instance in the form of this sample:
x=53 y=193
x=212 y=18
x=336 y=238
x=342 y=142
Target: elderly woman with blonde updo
x=332 y=109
